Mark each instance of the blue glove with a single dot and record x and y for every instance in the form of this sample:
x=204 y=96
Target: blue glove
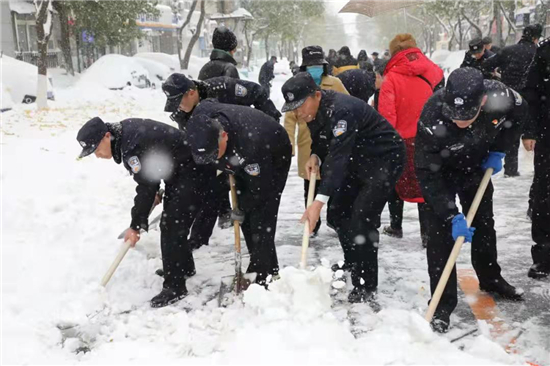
x=460 y=228
x=494 y=160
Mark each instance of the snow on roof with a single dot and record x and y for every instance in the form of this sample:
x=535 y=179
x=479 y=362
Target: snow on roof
x=239 y=13
x=525 y=10
x=22 y=7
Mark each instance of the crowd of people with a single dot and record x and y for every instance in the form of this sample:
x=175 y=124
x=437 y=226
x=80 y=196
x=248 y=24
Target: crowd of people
x=376 y=131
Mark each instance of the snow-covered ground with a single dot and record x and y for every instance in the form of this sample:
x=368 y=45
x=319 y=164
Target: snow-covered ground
x=61 y=217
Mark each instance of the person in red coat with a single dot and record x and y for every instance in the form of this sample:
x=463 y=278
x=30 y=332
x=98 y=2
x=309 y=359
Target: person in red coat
x=410 y=78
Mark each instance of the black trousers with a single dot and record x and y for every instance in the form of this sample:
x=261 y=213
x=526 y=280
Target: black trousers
x=260 y=223
x=216 y=203
x=511 y=159
x=355 y=211
x=540 y=228
x=181 y=204
x=395 y=206
x=483 y=246
x=306 y=192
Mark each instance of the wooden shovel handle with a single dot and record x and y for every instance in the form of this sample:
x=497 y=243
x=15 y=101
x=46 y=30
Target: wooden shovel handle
x=436 y=297
x=305 y=237
x=115 y=263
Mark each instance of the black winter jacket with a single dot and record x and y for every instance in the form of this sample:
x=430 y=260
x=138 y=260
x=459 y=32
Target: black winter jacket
x=231 y=91
x=513 y=62
x=444 y=152
x=221 y=64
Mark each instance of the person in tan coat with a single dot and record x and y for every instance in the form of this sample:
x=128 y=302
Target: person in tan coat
x=313 y=61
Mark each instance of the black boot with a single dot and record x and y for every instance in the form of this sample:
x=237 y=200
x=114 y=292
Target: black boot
x=539 y=270
x=168 y=296
x=440 y=324
x=160 y=272
x=336 y=267
x=362 y=295
x=501 y=288
x=394 y=233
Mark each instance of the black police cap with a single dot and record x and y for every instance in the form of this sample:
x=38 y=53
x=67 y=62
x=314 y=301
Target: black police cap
x=204 y=135
x=312 y=56
x=175 y=87
x=90 y=135
x=476 y=45
x=463 y=94
x=297 y=89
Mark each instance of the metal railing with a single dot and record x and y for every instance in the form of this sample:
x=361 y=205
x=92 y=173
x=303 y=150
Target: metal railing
x=52 y=58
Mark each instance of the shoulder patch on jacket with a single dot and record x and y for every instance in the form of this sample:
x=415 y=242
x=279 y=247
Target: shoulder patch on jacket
x=517 y=97
x=134 y=164
x=240 y=90
x=252 y=169
x=341 y=127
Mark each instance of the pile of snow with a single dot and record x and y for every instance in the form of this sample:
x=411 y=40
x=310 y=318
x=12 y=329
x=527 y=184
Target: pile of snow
x=116 y=72
x=19 y=82
x=170 y=61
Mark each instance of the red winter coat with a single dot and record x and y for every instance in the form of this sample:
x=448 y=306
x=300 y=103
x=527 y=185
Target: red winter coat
x=409 y=79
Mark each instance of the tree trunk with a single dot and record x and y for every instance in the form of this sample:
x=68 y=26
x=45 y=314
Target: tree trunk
x=65 y=34
x=498 y=19
x=44 y=14
x=249 y=37
x=266 y=45
x=460 y=34
x=194 y=39
x=180 y=31
x=475 y=26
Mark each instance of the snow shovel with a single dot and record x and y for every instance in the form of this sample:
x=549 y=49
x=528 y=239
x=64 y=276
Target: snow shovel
x=305 y=238
x=154 y=221
x=436 y=297
x=239 y=282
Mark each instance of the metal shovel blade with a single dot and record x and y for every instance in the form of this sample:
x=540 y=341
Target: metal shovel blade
x=234 y=285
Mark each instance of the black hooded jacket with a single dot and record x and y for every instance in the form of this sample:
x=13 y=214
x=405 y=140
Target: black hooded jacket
x=537 y=94
x=221 y=64
x=513 y=62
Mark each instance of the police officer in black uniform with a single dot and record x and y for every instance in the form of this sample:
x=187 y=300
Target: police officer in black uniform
x=153 y=152
x=256 y=149
x=513 y=62
x=183 y=95
x=476 y=56
x=537 y=93
x=362 y=157
x=464 y=129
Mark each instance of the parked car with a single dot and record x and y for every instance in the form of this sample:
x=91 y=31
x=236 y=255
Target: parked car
x=19 y=82
x=116 y=72
x=158 y=72
x=171 y=61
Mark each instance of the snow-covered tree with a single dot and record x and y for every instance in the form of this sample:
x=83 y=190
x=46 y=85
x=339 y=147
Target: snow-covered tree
x=44 y=15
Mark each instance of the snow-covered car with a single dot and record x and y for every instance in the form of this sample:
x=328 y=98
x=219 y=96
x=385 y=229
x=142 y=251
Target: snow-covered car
x=439 y=57
x=453 y=61
x=116 y=72
x=19 y=82
x=171 y=61
x=158 y=72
